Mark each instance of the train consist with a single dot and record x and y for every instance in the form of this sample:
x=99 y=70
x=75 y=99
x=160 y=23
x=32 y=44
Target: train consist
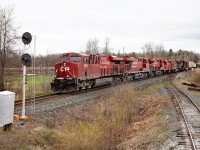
x=76 y=71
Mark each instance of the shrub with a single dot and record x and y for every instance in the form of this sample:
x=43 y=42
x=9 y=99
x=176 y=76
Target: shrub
x=113 y=115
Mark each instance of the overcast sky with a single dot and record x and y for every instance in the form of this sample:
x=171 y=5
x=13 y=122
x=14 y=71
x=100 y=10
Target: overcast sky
x=66 y=25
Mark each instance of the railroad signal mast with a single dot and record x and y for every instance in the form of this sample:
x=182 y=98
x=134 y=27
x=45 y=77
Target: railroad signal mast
x=26 y=61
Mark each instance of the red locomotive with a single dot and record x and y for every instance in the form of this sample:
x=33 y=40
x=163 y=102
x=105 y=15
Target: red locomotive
x=77 y=71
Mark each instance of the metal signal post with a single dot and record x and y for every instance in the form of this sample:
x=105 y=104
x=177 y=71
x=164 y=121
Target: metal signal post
x=24 y=91
x=26 y=61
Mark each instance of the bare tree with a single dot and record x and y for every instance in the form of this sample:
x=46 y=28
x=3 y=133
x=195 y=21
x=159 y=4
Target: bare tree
x=171 y=54
x=12 y=60
x=148 y=49
x=8 y=38
x=92 y=46
x=106 y=49
x=160 y=51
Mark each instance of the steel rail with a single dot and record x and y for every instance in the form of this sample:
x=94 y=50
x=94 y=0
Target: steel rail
x=198 y=108
x=29 y=100
x=183 y=114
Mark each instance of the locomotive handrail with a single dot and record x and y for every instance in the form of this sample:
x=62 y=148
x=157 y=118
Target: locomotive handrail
x=72 y=74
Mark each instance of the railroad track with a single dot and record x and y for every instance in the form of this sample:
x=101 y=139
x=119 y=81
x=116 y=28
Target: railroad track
x=30 y=101
x=40 y=99
x=189 y=133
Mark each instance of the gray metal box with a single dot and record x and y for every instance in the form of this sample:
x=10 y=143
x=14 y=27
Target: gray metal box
x=7 y=100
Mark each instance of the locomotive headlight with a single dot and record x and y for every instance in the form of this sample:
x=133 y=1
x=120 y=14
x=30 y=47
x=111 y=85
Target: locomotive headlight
x=64 y=64
x=56 y=73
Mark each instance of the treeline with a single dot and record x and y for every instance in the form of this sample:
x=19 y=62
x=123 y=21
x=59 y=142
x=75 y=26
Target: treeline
x=149 y=49
x=152 y=50
x=13 y=60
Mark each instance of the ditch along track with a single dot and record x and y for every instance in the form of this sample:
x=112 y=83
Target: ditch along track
x=189 y=134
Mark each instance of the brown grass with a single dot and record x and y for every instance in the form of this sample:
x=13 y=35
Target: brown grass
x=105 y=128
x=110 y=122
x=125 y=119
x=150 y=130
x=195 y=76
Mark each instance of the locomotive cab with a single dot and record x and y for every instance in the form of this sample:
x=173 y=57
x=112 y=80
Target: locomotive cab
x=75 y=71
x=67 y=67
x=66 y=71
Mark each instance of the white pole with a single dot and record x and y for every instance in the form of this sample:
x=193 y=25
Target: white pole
x=34 y=71
x=24 y=90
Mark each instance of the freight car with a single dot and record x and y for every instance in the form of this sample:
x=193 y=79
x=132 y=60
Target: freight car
x=76 y=71
x=192 y=65
x=182 y=65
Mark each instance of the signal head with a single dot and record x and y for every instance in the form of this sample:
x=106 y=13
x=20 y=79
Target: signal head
x=26 y=59
x=26 y=38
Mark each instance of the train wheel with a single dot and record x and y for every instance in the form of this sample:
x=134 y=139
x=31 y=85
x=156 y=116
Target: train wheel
x=80 y=88
x=93 y=83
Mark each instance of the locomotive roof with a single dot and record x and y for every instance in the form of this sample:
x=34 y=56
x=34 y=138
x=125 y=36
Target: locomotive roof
x=114 y=57
x=128 y=58
x=80 y=54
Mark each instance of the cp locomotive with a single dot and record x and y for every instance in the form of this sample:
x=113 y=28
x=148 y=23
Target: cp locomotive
x=76 y=71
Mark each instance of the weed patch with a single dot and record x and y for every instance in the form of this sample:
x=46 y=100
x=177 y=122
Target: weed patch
x=23 y=148
x=42 y=85
x=195 y=77
x=111 y=120
x=46 y=137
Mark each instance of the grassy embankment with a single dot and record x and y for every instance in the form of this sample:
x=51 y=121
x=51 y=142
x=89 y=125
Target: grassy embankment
x=195 y=76
x=129 y=117
x=42 y=85
x=190 y=77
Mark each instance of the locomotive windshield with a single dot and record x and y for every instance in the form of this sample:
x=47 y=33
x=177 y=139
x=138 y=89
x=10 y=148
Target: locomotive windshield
x=64 y=58
x=72 y=58
x=75 y=58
